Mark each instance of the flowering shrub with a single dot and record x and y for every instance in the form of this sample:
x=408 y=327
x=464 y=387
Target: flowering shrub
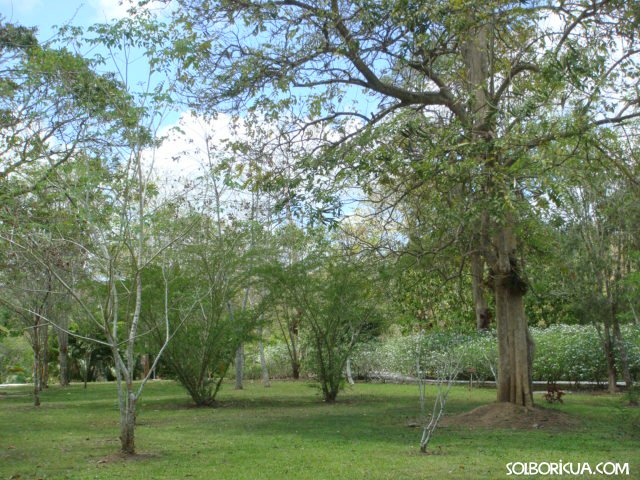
x=562 y=352
x=568 y=352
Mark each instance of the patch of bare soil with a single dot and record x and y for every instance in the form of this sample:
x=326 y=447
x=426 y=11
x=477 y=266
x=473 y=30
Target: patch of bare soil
x=123 y=457
x=508 y=415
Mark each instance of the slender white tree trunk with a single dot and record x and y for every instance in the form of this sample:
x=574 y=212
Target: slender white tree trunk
x=239 y=366
x=63 y=354
x=348 y=369
x=263 y=361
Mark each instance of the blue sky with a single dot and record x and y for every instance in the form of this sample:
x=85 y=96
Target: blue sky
x=44 y=14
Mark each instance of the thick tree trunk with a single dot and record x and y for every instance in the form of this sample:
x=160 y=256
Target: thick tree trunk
x=483 y=315
x=515 y=347
x=263 y=361
x=329 y=393
x=239 y=366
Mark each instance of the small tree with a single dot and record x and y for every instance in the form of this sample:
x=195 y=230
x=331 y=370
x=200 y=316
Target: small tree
x=444 y=365
x=207 y=280
x=338 y=300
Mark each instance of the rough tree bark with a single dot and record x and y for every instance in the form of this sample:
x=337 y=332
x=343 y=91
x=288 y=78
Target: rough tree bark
x=127 y=427
x=515 y=347
x=146 y=366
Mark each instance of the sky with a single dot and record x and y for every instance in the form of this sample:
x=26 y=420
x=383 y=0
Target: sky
x=180 y=157
x=44 y=14
x=47 y=14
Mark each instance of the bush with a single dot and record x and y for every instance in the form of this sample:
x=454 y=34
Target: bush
x=562 y=353
x=276 y=356
x=568 y=352
x=16 y=360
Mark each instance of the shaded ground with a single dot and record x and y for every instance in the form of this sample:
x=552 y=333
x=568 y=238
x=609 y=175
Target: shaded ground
x=288 y=432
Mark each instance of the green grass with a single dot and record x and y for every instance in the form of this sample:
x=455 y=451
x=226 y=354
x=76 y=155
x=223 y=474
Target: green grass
x=287 y=432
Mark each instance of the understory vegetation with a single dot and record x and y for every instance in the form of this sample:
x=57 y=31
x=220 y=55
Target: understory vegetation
x=570 y=353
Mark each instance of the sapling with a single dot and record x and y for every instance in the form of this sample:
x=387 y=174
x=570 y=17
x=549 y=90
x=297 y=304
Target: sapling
x=445 y=365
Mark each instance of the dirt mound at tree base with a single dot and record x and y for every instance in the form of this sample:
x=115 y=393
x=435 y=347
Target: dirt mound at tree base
x=508 y=415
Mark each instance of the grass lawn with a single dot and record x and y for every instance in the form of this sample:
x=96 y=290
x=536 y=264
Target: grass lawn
x=287 y=432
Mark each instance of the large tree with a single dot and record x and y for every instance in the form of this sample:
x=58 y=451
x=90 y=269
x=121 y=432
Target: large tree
x=504 y=78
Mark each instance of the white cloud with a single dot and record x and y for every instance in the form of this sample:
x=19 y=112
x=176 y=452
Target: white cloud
x=180 y=165
x=115 y=9
x=183 y=154
x=110 y=9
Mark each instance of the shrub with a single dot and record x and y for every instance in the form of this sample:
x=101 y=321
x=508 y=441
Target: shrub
x=16 y=360
x=562 y=353
x=276 y=356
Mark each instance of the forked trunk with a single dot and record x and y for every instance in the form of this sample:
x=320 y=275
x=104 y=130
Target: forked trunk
x=330 y=394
